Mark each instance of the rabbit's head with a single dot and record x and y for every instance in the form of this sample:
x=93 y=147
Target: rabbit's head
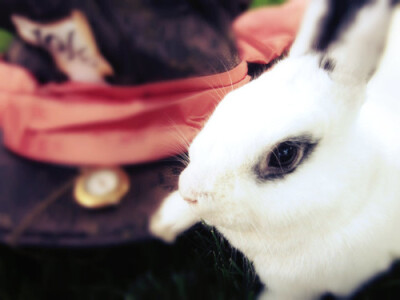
x=287 y=148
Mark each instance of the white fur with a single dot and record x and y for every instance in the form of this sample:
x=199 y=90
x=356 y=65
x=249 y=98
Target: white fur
x=172 y=218
x=332 y=224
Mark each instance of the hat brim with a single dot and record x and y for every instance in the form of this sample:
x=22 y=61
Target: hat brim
x=37 y=207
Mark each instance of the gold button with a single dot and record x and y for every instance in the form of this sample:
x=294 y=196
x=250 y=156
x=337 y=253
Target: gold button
x=101 y=187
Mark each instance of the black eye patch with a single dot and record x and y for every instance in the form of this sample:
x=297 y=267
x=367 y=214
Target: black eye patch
x=284 y=158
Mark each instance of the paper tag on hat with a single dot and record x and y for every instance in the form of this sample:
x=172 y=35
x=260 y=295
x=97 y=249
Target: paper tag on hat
x=71 y=43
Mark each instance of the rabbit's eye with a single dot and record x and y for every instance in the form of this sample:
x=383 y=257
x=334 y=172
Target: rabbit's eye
x=285 y=158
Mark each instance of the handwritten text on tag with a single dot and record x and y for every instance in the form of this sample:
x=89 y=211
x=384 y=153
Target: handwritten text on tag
x=71 y=43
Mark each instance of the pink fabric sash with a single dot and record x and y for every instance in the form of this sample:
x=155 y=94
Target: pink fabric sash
x=84 y=124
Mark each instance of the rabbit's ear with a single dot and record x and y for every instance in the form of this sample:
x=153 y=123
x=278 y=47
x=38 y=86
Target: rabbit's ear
x=348 y=36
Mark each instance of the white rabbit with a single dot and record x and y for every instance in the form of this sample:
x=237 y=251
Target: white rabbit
x=300 y=168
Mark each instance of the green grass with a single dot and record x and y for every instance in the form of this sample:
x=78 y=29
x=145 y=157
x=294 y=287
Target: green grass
x=5 y=40
x=258 y=3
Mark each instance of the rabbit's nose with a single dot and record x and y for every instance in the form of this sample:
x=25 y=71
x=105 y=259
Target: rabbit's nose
x=190 y=200
x=186 y=187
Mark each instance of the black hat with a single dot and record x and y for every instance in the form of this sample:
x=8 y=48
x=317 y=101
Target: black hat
x=141 y=41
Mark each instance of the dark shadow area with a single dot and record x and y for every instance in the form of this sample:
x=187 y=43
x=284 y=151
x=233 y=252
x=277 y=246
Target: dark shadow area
x=200 y=265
